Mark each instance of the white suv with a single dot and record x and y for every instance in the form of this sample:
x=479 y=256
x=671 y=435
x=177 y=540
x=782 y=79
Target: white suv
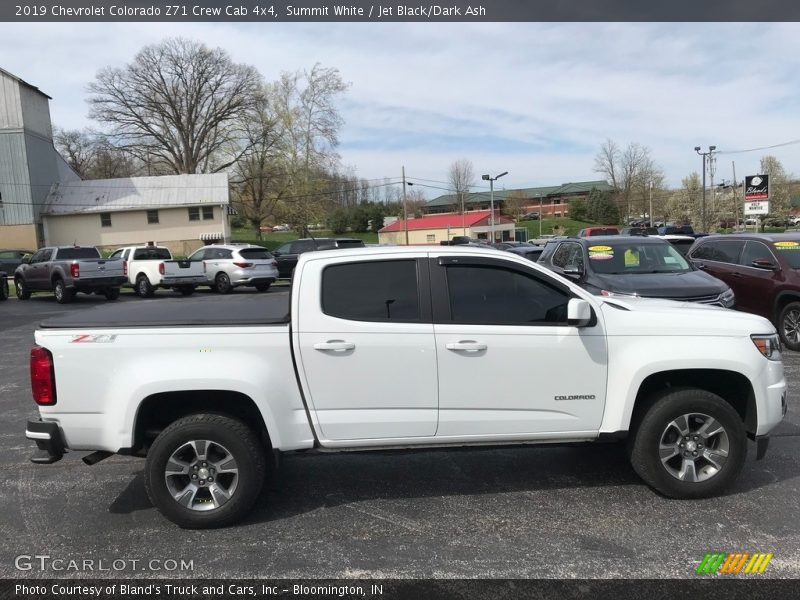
x=233 y=265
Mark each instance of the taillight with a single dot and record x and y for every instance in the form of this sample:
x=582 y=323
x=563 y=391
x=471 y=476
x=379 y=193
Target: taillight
x=243 y=265
x=161 y=268
x=42 y=376
x=125 y=267
x=75 y=270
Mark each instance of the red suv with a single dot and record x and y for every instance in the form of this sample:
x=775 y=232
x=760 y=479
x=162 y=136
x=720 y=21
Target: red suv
x=762 y=270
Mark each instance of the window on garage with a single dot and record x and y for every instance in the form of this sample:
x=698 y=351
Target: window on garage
x=208 y=213
x=194 y=213
x=105 y=219
x=152 y=217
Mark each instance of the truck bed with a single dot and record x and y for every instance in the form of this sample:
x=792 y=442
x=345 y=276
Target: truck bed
x=212 y=311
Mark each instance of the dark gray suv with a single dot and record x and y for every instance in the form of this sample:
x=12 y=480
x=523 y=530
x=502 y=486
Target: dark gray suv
x=633 y=266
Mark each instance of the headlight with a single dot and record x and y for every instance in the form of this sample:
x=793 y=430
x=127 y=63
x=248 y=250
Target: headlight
x=768 y=345
x=727 y=298
x=612 y=294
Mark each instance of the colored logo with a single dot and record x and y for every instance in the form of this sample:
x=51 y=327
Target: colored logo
x=787 y=245
x=734 y=562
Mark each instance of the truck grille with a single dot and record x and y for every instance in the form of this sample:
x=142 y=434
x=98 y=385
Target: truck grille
x=713 y=300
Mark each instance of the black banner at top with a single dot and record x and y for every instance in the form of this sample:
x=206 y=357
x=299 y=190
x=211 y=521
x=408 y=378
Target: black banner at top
x=387 y=11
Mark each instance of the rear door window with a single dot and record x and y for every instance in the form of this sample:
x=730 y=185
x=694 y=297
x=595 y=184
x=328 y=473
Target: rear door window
x=724 y=251
x=77 y=253
x=151 y=254
x=384 y=290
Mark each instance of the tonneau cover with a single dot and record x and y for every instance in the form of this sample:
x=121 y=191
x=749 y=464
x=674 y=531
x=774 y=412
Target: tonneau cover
x=204 y=310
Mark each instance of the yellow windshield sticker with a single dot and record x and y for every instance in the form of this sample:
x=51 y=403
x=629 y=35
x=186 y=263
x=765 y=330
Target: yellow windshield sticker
x=601 y=249
x=601 y=252
x=787 y=245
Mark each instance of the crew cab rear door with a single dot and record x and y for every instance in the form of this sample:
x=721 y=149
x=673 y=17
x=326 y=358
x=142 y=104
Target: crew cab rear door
x=509 y=364
x=365 y=344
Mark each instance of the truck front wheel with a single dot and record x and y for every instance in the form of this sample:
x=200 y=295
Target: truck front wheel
x=205 y=470
x=23 y=293
x=689 y=444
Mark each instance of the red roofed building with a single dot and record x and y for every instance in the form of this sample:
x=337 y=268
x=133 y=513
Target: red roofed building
x=433 y=229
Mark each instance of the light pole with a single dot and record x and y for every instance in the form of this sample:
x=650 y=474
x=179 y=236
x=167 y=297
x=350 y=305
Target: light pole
x=703 y=155
x=650 y=216
x=491 y=181
x=405 y=205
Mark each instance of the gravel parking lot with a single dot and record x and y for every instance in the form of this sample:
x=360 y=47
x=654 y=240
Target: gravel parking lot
x=515 y=512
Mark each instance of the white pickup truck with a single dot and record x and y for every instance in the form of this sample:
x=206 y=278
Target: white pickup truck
x=144 y=267
x=401 y=348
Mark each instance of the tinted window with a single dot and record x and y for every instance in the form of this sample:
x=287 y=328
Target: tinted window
x=218 y=254
x=151 y=254
x=568 y=255
x=255 y=253
x=789 y=251
x=496 y=295
x=682 y=246
x=755 y=251
x=75 y=253
x=726 y=251
x=41 y=255
x=117 y=254
x=199 y=255
x=285 y=249
x=349 y=243
x=303 y=246
x=374 y=291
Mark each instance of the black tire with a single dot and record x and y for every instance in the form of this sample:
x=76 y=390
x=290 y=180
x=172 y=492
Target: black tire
x=232 y=435
x=4 y=290
x=262 y=287
x=61 y=293
x=789 y=325
x=222 y=283
x=654 y=425
x=143 y=286
x=22 y=289
x=111 y=293
x=185 y=290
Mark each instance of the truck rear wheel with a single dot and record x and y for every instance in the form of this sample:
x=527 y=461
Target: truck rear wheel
x=111 y=293
x=205 y=471
x=689 y=444
x=143 y=286
x=62 y=294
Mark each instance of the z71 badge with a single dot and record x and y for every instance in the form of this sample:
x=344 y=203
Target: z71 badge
x=93 y=339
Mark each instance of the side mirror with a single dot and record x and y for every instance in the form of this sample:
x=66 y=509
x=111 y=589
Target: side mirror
x=573 y=272
x=763 y=263
x=579 y=312
x=275 y=253
x=26 y=260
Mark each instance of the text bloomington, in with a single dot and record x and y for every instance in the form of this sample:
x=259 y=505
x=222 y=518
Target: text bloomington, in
x=185 y=10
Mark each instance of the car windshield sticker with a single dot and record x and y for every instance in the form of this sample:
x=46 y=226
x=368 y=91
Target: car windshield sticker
x=787 y=245
x=670 y=260
x=601 y=252
x=631 y=258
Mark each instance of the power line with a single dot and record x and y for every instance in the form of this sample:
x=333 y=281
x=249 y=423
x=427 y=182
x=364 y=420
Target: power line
x=790 y=143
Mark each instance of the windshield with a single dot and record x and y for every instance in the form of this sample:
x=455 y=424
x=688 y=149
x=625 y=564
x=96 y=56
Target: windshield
x=790 y=251
x=617 y=258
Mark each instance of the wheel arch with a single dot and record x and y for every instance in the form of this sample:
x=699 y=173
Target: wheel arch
x=783 y=298
x=158 y=411
x=733 y=387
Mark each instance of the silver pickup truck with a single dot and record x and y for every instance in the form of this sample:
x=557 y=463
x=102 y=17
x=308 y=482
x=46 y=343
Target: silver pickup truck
x=67 y=270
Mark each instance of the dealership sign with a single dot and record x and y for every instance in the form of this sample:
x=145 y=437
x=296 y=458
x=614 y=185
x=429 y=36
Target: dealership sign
x=756 y=208
x=756 y=187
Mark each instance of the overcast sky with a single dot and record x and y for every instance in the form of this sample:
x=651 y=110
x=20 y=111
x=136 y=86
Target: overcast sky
x=536 y=100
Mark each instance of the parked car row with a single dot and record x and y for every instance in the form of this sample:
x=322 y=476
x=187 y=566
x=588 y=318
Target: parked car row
x=67 y=270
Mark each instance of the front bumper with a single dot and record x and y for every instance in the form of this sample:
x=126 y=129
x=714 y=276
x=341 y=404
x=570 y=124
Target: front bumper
x=49 y=441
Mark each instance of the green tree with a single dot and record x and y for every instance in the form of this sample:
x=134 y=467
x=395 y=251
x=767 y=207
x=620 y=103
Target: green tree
x=779 y=189
x=579 y=209
x=376 y=214
x=359 y=218
x=339 y=221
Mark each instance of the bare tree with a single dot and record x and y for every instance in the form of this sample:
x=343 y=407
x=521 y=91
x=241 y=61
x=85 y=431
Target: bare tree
x=514 y=204
x=178 y=103
x=92 y=156
x=461 y=176
x=626 y=170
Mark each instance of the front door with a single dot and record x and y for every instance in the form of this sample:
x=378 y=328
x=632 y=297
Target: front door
x=367 y=359
x=509 y=364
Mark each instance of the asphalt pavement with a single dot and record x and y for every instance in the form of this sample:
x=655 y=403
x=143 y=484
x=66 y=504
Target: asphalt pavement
x=536 y=511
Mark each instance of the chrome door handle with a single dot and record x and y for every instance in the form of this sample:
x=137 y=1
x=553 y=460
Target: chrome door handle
x=334 y=345
x=466 y=346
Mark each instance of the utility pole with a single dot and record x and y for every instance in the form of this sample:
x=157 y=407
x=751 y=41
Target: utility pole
x=712 y=168
x=405 y=205
x=650 y=214
x=703 y=206
x=735 y=201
